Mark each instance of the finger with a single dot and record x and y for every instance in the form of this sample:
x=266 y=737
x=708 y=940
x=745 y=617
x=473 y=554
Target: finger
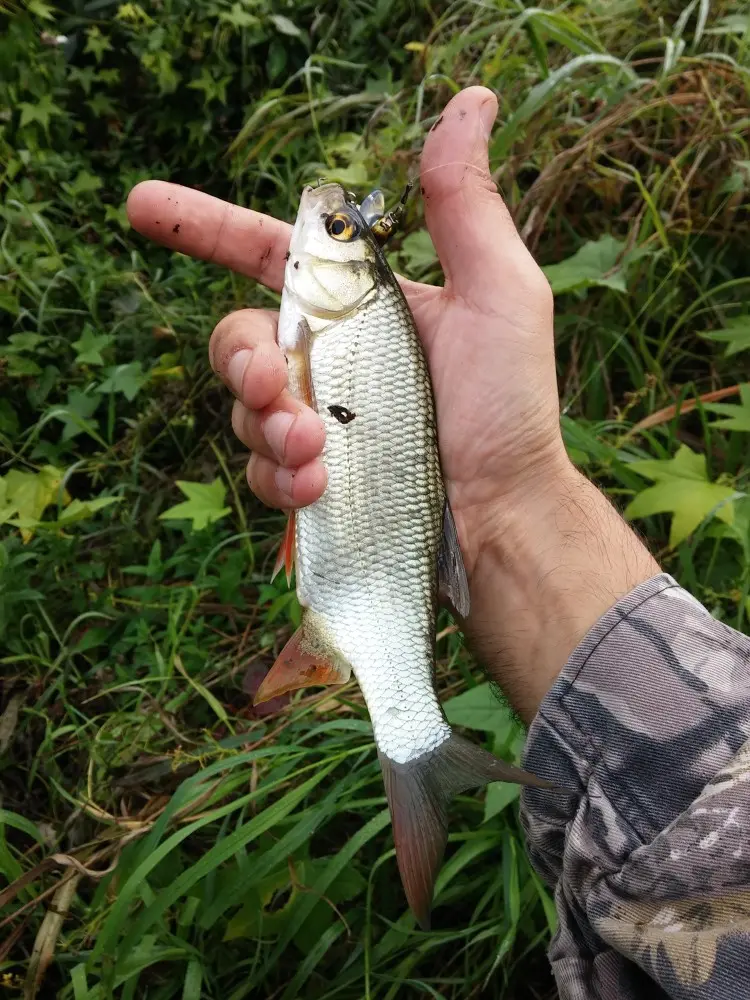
x=277 y=486
x=474 y=235
x=205 y=227
x=244 y=354
x=287 y=431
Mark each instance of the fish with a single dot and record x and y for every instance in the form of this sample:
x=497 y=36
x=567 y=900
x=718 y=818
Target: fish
x=379 y=551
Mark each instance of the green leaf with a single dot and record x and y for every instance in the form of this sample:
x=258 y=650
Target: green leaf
x=24 y=496
x=128 y=379
x=18 y=342
x=213 y=90
x=89 y=346
x=41 y=112
x=84 y=183
x=418 y=252
x=738 y=180
x=239 y=17
x=97 y=43
x=9 y=422
x=204 y=504
x=80 y=510
x=736 y=418
x=21 y=367
x=41 y=9
x=31 y=492
x=682 y=488
x=191 y=987
x=9 y=303
x=596 y=263
x=479 y=708
x=285 y=26
x=736 y=335
x=500 y=794
x=75 y=414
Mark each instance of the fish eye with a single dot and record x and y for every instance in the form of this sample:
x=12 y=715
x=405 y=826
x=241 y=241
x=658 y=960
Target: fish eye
x=341 y=226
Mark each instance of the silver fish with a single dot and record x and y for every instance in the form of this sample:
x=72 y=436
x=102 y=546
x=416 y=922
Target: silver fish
x=374 y=552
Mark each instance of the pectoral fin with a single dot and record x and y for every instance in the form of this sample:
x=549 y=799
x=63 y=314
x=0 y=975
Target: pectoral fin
x=303 y=662
x=285 y=558
x=298 y=364
x=453 y=586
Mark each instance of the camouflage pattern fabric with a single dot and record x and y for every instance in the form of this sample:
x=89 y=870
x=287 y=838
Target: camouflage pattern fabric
x=649 y=854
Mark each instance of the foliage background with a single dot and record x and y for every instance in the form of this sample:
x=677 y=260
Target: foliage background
x=158 y=837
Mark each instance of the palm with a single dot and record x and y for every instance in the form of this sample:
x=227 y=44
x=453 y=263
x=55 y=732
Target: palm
x=494 y=404
x=487 y=333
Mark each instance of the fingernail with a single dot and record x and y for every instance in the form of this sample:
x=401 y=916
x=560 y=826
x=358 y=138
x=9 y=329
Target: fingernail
x=236 y=370
x=487 y=115
x=276 y=429
x=284 y=481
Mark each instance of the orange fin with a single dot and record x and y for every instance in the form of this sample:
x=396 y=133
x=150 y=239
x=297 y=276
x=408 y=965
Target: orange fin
x=285 y=557
x=299 y=371
x=301 y=663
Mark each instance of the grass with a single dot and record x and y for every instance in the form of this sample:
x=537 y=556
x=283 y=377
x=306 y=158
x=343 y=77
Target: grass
x=158 y=837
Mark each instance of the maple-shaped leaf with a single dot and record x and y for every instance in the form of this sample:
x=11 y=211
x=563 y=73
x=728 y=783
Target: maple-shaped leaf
x=75 y=414
x=736 y=418
x=213 y=90
x=127 y=379
x=682 y=488
x=25 y=495
x=97 y=43
x=40 y=112
x=204 y=504
x=90 y=345
x=84 y=183
x=736 y=335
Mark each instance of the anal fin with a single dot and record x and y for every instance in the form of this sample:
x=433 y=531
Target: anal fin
x=303 y=662
x=453 y=586
x=285 y=558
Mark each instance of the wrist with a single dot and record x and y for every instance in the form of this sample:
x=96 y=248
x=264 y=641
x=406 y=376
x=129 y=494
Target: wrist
x=548 y=565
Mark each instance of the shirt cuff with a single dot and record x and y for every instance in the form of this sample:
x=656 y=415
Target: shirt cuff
x=651 y=704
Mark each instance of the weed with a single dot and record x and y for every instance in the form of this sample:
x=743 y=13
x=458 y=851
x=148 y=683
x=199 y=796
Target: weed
x=159 y=837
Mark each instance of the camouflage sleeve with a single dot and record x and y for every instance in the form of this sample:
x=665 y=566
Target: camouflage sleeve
x=649 y=857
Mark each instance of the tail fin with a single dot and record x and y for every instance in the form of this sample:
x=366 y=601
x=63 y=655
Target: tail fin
x=418 y=794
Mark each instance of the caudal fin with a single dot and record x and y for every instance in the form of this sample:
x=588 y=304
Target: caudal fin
x=418 y=794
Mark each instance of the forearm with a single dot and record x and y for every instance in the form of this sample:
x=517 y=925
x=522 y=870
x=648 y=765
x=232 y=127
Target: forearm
x=550 y=566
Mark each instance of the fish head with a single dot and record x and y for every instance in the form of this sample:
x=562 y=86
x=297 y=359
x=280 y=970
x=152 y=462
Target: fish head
x=334 y=261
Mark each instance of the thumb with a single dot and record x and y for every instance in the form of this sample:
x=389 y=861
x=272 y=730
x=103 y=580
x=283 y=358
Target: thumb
x=479 y=247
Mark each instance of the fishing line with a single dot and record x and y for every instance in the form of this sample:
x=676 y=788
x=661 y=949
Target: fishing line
x=441 y=166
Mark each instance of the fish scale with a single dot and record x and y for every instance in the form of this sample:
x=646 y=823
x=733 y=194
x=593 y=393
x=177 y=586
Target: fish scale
x=375 y=550
x=382 y=510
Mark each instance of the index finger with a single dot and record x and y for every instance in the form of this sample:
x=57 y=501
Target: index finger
x=211 y=229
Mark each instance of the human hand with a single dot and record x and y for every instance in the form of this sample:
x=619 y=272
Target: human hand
x=487 y=332
x=488 y=336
